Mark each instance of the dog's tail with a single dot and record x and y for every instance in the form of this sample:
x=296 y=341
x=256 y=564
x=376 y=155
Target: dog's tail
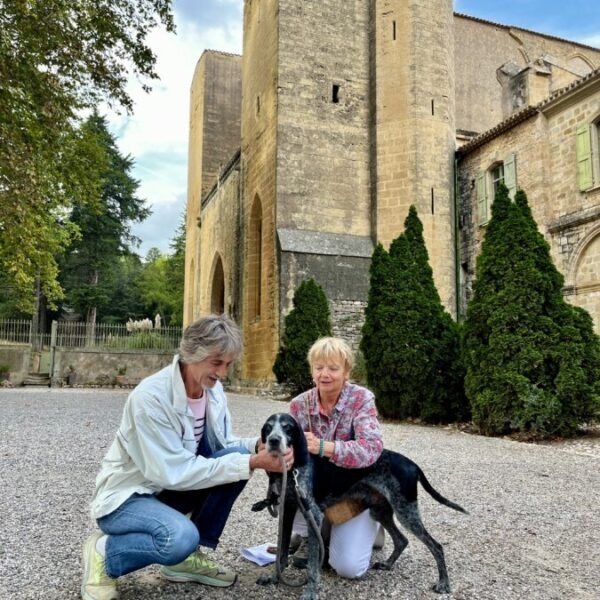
x=437 y=496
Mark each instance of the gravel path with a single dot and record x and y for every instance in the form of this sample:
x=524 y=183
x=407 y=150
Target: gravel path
x=533 y=530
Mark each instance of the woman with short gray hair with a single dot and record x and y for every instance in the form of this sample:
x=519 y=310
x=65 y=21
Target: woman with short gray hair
x=174 y=455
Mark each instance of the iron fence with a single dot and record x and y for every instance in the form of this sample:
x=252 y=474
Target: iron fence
x=78 y=334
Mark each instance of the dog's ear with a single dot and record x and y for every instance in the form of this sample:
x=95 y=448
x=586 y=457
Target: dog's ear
x=299 y=443
x=266 y=429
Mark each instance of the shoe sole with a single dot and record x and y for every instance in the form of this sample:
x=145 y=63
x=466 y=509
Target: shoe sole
x=178 y=578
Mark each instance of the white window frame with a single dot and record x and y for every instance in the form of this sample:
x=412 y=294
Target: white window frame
x=500 y=171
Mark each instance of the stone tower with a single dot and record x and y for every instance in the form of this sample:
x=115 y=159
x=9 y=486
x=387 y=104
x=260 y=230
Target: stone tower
x=305 y=158
x=414 y=127
x=214 y=137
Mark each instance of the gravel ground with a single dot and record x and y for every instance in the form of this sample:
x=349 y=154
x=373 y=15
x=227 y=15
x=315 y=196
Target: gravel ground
x=533 y=530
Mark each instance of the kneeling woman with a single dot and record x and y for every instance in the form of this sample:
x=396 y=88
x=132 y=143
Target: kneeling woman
x=341 y=426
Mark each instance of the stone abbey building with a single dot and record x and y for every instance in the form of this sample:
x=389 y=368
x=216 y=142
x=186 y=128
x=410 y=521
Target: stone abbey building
x=309 y=149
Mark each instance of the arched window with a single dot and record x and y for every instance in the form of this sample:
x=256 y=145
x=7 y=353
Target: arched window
x=217 y=295
x=255 y=260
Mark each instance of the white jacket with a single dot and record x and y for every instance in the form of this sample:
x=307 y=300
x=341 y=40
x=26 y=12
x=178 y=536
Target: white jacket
x=155 y=449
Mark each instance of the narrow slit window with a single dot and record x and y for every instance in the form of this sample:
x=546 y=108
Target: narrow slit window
x=257 y=105
x=394 y=30
x=432 y=106
x=335 y=93
x=432 y=202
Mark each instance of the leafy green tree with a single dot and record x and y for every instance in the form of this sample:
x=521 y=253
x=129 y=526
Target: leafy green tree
x=532 y=360
x=175 y=273
x=57 y=60
x=304 y=325
x=124 y=297
x=410 y=343
x=104 y=223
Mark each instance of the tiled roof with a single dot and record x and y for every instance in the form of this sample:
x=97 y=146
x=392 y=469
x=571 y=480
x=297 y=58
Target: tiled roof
x=525 y=113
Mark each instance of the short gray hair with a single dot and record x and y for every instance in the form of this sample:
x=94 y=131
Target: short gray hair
x=210 y=335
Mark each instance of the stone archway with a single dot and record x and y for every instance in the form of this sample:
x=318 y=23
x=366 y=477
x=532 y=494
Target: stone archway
x=584 y=278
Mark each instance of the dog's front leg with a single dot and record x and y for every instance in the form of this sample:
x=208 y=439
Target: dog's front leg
x=311 y=591
x=283 y=546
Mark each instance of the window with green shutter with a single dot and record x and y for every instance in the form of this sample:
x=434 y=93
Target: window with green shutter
x=510 y=175
x=585 y=175
x=482 y=204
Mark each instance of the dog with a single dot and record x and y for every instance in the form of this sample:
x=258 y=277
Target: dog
x=387 y=488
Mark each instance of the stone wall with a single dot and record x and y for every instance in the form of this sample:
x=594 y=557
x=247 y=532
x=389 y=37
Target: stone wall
x=87 y=367
x=545 y=148
x=215 y=114
x=482 y=47
x=219 y=242
x=259 y=284
x=323 y=179
x=414 y=127
x=347 y=320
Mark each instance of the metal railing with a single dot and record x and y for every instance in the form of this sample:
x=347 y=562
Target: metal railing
x=76 y=334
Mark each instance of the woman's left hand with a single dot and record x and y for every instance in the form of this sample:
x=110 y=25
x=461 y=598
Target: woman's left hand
x=312 y=442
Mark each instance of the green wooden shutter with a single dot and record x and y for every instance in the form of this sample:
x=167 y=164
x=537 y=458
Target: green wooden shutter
x=584 y=157
x=482 y=198
x=510 y=175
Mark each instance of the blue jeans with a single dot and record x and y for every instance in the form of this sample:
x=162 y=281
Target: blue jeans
x=153 y=529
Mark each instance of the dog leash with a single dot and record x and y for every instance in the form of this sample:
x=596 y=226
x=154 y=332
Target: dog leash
x=309 y=519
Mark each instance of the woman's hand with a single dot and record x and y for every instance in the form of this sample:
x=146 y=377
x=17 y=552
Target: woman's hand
x=272 y=462
x=313 y=442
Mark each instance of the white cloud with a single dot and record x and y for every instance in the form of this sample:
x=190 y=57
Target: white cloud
x=156 y=135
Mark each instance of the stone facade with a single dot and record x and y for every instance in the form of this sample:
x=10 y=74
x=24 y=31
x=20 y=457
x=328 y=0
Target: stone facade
x=339 y=116
x=215 y=101
x=544 y=144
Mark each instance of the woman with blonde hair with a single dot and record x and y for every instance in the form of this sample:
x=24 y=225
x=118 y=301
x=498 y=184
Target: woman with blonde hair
x=342 y=431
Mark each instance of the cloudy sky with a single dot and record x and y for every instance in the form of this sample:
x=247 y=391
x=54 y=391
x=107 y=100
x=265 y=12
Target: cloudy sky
x=156 y=134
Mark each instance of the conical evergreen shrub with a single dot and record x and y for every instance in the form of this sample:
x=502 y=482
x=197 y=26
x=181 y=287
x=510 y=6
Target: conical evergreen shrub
x=304 y=325
x=532 y=361
x=410 y=343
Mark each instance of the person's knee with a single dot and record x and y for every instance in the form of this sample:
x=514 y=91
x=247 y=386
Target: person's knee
x=176 y=541
x=349 y=567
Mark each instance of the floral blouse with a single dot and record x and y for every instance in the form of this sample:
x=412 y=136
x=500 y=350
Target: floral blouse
x=353 y=425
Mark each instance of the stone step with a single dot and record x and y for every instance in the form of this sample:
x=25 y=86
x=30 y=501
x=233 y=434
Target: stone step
x=38 y=379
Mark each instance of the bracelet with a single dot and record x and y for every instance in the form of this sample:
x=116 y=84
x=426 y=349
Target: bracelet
x=321 y=448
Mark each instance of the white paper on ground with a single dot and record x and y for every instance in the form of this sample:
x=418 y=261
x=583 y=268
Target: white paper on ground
x=259 y=554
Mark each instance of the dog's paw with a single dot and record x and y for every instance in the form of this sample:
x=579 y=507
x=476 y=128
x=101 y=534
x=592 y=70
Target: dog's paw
x=441 y=587
x=258 y=506
x=266 y=579
x=381 y=566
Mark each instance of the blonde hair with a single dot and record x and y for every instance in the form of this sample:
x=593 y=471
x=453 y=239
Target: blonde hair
x=210 y=335
x=328 y=348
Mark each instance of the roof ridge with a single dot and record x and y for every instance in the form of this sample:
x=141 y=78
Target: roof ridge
x=546 y=35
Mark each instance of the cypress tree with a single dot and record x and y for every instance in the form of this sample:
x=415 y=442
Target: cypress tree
x=409 y=342
x=304 y=325
x=531 y=359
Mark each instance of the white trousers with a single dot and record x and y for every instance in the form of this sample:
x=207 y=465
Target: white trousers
x=350 y=544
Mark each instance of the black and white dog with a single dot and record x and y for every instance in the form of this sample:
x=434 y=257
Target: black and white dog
x=387 y=488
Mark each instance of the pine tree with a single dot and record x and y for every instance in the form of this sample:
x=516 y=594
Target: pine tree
x=532 y=360
x=410 y=342
x=304 y=325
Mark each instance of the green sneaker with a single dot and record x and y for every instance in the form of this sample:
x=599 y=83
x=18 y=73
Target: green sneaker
x=197 y=567
x=97 y=585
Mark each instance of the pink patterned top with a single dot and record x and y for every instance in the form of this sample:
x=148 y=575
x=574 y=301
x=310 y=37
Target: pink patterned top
x=353 y=425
